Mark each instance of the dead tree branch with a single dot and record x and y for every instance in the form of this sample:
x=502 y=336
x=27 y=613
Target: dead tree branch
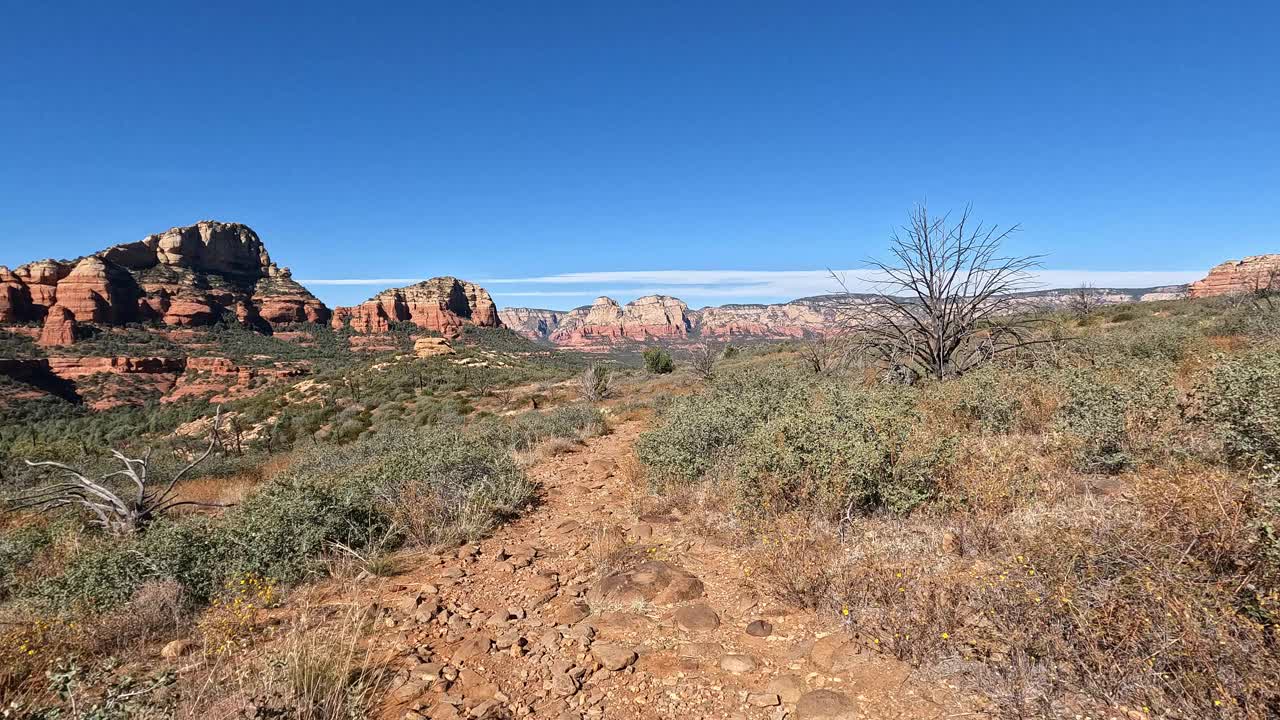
x=113 y=510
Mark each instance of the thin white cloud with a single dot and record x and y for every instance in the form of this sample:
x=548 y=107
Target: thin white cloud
x=385 y=282
x=727 y=285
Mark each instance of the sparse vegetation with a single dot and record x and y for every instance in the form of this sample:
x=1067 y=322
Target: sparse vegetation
x=595 y=383
x=658 y=361
x=1106 y=515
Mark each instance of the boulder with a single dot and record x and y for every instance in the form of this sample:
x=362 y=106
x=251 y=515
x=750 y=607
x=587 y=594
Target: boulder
x=654 y=581
x=613 y=656
x=431 y=347
x=696 y=618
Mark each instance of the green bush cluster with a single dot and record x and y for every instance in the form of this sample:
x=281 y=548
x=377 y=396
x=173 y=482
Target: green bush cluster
x=1094 y=411
x=658 y=361
x=1242 y=405
x=527 y=430
x=778 y=441
x=374 y=493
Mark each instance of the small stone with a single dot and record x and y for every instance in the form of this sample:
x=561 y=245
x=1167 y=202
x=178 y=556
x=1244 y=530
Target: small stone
x=737 y=664
x=572 y=613
x=697 y=618
x=760 y=628
x=543 y=583
x=472 y=647
x=613 y=656
x=763 y=699
x=951 y=543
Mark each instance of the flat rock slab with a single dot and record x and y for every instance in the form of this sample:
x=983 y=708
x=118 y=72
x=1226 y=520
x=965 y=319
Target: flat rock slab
x=737 y=664
x=824 y=705
x=834 y=653
x=697 y=618
x=613 y=656
x=654 y=581
x=471 y=648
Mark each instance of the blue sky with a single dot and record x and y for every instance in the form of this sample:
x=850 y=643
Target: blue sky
x=555 y=151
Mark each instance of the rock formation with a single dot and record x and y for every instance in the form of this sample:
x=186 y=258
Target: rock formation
x=185 y=276
x=59 y=328
x=653 y=317
x=533 y=323
x=1236 y=277
x=442 y=304
x=663 y=318
x=431 y=347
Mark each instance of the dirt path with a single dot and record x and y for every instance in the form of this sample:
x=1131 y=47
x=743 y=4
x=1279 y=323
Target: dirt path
x=582 y=610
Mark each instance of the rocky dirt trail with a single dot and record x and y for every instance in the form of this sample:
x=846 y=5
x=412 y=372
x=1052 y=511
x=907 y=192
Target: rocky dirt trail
x=580 y=610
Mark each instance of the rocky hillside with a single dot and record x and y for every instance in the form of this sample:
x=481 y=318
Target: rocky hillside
x=186 y=276
x=442 y=304
x=1235 y=277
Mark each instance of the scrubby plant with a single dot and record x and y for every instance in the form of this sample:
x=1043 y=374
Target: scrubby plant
x=595 y=383
x=1242 y=405
x=658 y=361
x=838 y=453
x=775 y=441
x=1094 y=412
x=694 y=431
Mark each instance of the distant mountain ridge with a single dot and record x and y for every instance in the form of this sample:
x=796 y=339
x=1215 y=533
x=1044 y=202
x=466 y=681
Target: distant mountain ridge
x=606 y=323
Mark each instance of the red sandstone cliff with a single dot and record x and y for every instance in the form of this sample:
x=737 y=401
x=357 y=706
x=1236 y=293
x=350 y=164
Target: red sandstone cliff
x=1235 y=277
x=184 y=276
x=443 y=305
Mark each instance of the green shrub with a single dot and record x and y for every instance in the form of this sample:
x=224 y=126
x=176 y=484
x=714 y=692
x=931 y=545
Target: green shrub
x=451 y=488
x=434 y=486
x=694 y=431
x=658 y=361
x=1094 y=411
x=837 y=453
x=526 y=431
x=985 y=400
x=777 y=441
x=1242 y=404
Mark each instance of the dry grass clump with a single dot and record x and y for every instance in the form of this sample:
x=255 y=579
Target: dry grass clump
x=1154 y=598
x=321 y=668
x=155 y=612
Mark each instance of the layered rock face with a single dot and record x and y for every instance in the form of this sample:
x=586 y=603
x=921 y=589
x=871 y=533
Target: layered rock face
x=1236 y=277
x=798 y=318
x=534 y=323
x=442 y=304
x=663 y=318
x=185 y=276
x=604 y=322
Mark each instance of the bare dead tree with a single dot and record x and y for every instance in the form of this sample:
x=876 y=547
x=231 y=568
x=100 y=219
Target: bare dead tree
x=829 y=353
x=946 y=303
x=113 y=510
x=1084 y=300
x=703 y=358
